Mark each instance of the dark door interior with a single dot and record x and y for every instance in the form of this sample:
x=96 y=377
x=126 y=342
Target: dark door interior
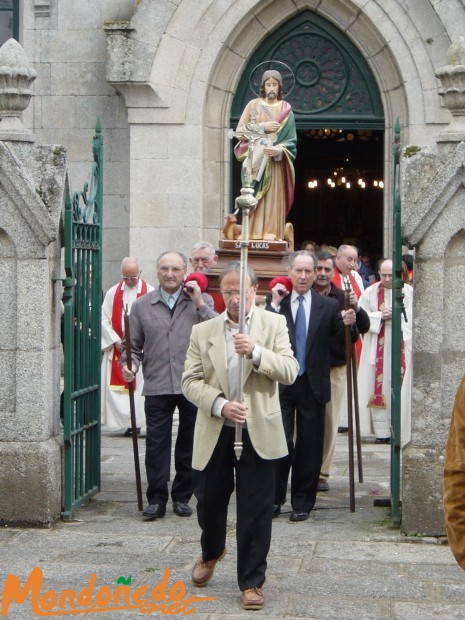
x=350 y=209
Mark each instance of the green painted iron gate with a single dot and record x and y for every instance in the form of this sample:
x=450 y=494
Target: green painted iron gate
x=82 y=300
x=397 y=306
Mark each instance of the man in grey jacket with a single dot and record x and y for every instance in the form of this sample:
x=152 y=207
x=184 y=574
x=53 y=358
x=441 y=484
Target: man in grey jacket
x=160 y=327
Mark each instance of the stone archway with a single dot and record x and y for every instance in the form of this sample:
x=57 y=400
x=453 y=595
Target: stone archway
x=340 y=124
x=232 y=64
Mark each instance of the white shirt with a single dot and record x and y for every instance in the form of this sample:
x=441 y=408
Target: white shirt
x=307 y=304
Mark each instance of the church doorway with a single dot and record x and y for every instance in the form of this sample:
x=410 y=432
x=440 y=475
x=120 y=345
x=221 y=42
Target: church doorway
x=340 y=126
x=339 y=188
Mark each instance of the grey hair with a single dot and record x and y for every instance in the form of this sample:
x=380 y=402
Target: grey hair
x=201 y=245
x=130 y=259
x=342 y=248
x=180 y=254
x=235 y=267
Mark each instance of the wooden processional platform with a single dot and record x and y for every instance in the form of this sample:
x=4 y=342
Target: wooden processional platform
x=267 y=258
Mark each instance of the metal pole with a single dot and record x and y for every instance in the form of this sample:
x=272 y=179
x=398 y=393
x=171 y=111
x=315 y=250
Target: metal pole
x=247 y=202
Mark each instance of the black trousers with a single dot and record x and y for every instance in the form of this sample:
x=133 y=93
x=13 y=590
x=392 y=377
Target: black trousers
x=255 y=480
x=306 y=415
x=159 y=412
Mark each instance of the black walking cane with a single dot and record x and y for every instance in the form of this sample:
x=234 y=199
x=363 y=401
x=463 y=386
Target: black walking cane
x=135 y=446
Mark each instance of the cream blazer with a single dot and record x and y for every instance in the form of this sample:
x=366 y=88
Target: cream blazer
x=206 y=376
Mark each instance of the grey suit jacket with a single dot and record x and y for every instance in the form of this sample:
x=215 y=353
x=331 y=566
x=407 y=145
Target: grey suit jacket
x=206 y=376
x=159 y=341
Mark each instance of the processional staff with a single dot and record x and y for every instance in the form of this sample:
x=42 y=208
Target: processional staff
x=247 y=202
x=352 y=399
x=132 y=406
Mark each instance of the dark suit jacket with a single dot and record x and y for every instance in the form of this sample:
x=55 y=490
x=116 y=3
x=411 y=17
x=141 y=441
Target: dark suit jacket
x=325 y=322
x=337 y=349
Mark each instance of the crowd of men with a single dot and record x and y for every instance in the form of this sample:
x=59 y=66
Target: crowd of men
x=257 y=404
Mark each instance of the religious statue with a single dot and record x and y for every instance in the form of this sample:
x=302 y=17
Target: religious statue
x=269 y=121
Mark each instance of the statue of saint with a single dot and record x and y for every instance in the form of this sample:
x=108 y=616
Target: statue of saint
x=273 y=154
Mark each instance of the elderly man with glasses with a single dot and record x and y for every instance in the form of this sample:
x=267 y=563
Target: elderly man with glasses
x=211 y=381
x=161 y=324
x=116 y=414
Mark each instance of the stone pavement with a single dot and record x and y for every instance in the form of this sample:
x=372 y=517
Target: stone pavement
x=337 y=565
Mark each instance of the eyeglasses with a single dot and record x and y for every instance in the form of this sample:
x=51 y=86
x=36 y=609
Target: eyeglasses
x=166 y=269
x=131 y=277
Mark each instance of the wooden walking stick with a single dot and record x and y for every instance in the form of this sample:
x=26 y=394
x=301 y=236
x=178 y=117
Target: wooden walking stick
x=135 y=446
x=354 y=368
x=358 y=436
x=350 y=420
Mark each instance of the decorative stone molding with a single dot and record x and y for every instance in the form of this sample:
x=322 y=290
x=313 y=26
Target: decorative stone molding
x=16 y=77
x=42 y=8
x=452 y=78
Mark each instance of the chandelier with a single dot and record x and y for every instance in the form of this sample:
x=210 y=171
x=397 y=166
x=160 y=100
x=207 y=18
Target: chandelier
x=352 y=167
x=341 y=178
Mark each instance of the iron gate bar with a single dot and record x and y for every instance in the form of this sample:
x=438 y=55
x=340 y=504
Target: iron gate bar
x=82 y=300
x=397 y=296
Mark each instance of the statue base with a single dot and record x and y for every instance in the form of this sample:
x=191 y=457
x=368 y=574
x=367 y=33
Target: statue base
x=267 y=258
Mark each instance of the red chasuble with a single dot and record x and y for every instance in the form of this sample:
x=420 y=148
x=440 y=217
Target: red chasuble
x=378 y=399
x=117 y=382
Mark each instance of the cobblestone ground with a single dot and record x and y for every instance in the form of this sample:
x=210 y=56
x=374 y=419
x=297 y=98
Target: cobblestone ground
x=337 y=565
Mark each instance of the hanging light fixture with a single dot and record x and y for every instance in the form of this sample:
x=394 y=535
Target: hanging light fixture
x=345 y=179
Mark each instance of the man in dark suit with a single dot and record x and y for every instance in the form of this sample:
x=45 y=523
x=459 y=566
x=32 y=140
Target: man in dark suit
x=303 y=402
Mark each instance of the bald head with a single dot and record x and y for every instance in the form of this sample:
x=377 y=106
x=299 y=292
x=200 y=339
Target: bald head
x=385 y=273
x=130 y=271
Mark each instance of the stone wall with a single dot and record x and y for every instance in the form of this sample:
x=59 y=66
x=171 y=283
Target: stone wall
x=32 y=186
x=65 y=42
x=434 y=224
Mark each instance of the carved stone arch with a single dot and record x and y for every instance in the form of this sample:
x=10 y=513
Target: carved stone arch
x=333 y=83
x=433 y=187
x=367 y=41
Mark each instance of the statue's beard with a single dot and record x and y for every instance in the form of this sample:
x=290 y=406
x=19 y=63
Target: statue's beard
x=271 y=96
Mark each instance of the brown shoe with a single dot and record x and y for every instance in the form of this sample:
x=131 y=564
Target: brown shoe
x=203 y=570
x=253 y=598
